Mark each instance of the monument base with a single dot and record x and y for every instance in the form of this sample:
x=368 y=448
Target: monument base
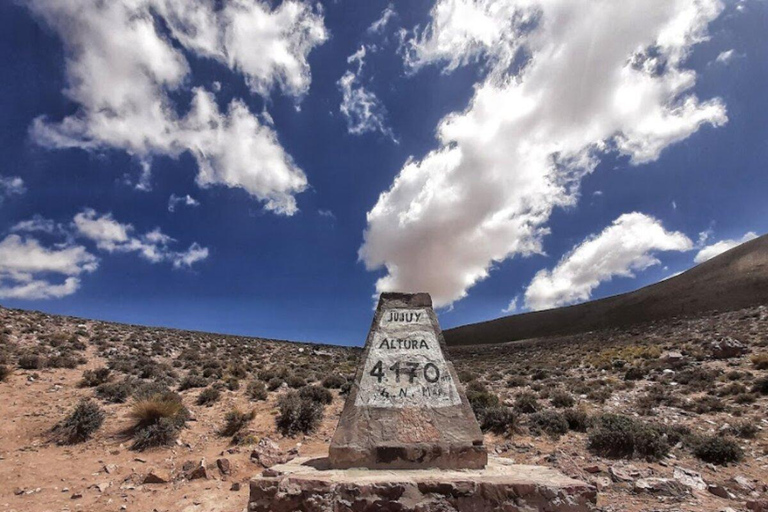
x=308 y=485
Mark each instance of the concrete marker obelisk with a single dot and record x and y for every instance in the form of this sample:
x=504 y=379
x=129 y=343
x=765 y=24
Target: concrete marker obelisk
x=407 y=408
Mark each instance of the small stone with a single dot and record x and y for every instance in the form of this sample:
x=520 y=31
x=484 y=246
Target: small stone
x=267 y=454
x=757 y=506
x=726 y=348
x=76 y=496
x=623 y=473
x=235 y=486
x=689 y=478
x=18 y=491
x=110 y=468
x=744 y=482
x=199 y=472
x=157 y=476
x=719 y=491
x=224 y=466
x=592 y=469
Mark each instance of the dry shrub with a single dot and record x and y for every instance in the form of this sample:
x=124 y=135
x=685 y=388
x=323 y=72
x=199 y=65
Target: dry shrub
x=158 y=420
x=82 y=422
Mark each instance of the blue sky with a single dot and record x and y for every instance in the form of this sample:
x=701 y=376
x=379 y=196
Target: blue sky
x=242 y=167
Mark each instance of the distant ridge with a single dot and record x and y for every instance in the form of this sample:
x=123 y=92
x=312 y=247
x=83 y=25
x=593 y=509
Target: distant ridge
x=733 y=280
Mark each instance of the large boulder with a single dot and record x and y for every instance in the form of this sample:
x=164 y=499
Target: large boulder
x=726 y=347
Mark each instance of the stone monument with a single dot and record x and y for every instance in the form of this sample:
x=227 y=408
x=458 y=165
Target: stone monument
x=407 y=409
x=408 y=440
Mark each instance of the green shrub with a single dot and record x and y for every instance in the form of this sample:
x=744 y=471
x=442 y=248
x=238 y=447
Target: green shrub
x=83 y=421
x=650 y=441
x=232 y=383
x=5 y=372
x=614 y=436
x=93 y=378
x=235 y=421
x=550 y=422
x=516 y=381
x=274 y=383
x=193 y=380
x=334 y=381
x=499 y=420
x=146 y=390
x=562 y=399
x=295 y=382
x=31 y=362
x=745 y=429
x=208 y=396
x=317 y=394
x=257 y=390
x=115 y=392
x=717 y=450
x=761 y=386
x=578 y=419
x=297 y=414
x=635 y=373
x=481 y=399
x=161 y=433
x=526 y=402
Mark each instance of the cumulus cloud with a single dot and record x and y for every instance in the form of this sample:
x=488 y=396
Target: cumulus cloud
x=114 y=237
x=725 y=57
x=361 y=108
x=121 y=70
x=597 y=78
x=623 y=248
x=710 y=251
x=37 y=224
x=186 y=200
x=29 y=270
x=11 y=185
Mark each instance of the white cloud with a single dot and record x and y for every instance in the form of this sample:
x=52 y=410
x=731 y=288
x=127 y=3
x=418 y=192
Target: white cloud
x=27 y=268
x=624 y=247
x=11 y=185
x=114 y=237
x=361 y=108
x=186 y=200
x=378 y=26
x=710 y=251
x=513 y=306
x=600 y=77
x=120 y=70
x=37 y=224
x=725 y=57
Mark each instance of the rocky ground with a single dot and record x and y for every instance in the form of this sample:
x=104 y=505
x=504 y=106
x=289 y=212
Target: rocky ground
x=691 y=394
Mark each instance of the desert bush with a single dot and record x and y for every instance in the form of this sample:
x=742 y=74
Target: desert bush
x=333 y=381
x=600 y=395
x=297 y=414
x=466 y=376
x=760 y=361
x=232 y=383
x=745 y=398
x=578 y=419
x=761 y=386
x=235 y=421
x=516 y=381
x=31 y=362
x=274 y=383
x=208 y=396
x=317 y=394
x=480 y=398
x=257 y=390
x=345 y=388
x=115 y=392
x=549 y=422
x=295 y=382
x=717 y=450
x=614 y=436
x=192 y=380
x=561 y=399
x=5 y=372
x=650 y=441
x=635 y=373
x=158 y=420
x=146 y=390
x=499 y=420
x=745 y=429
x=705 y=404
x=526 y=402
x=82 y=422
x=93 y=378
x=239 y=371
x=65 y=361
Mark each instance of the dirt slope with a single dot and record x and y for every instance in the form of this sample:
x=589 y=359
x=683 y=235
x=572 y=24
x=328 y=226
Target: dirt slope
x=733 y=280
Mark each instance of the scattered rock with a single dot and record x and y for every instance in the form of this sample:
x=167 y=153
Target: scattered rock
x=592 y=469
x=101 y=487
x=671 y=357
x=719 y=491
x=626 y=473
x=18 y=491
x=661 y=486
x=157 y=476
x=224 y=466
x=757 y=506
x=744 y=483
x=76 y=496
x=235 y=486
x=198 y=472
x=689 y=478
x=267 y=453
x=726 y=348
x=110 y=468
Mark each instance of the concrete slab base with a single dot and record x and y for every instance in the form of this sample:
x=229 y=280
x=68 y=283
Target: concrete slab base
x=308 y=485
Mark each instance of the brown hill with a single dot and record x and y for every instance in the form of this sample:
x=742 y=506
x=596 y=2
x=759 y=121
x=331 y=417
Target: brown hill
x=733 y=280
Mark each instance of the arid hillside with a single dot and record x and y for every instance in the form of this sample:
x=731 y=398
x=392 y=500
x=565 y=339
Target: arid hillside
x=733 y=280
x=666 y=415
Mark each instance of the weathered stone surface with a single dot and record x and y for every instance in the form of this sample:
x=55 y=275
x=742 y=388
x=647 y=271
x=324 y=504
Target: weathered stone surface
x=267 y=453
x=305 y=485
x=727 y=347
x=157 y=476
x=661 y=486
x=689 y=478
x=407 y=408
x=225 y=468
